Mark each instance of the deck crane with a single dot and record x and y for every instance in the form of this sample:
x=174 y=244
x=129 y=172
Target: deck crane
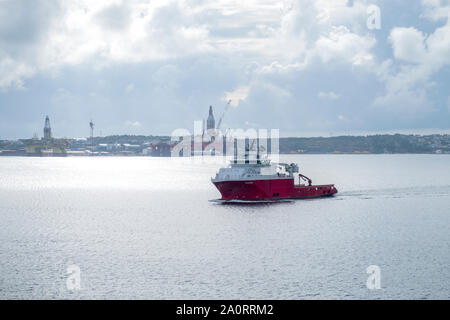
x=305 y=178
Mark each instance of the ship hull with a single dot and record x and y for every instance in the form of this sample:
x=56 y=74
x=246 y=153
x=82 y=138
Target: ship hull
x=270 y=190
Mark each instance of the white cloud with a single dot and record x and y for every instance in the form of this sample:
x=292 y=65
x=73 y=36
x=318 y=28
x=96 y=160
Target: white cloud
x=13 y=73
x=329 y=95
x=115 y=17
x=408 y=44
x=341 y=45
x=238 y=95
x=331 y=31
x=134 y=124
x=436 y=9
x=277 y=67
x=425 y=55
x=100 y=33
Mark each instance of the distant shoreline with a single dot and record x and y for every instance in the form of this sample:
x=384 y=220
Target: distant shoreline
x=284 y=154
x=139 y=145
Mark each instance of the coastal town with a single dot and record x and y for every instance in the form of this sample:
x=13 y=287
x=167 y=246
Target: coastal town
x=162 y=146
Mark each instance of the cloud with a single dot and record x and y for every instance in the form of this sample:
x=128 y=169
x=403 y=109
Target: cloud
x=341 y=45
x=327 y=32
x=329 y=95
x=41 y=38
x=436 y=9
x=25 y=23
x=134 y=124
x=279 y=61
x=408 y=44
x=277 y=67
x=13 y=73
x=23 y=28
x=240 y=94
x=404 y=101
x=104 y=32
x=114 y=17
x=425 y=55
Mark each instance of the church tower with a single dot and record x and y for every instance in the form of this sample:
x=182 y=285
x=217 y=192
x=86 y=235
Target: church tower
x=210 y=123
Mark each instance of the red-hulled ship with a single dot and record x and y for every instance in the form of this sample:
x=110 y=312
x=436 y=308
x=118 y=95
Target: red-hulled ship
x=261 y=181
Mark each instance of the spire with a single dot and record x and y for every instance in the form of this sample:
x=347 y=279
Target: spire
x=210 y=123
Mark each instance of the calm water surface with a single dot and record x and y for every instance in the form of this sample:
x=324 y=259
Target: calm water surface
x=143 y=228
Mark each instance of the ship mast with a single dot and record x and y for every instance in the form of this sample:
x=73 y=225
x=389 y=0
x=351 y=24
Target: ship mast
x=91 y=124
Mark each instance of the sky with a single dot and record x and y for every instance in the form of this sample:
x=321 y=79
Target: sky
x=305 y=67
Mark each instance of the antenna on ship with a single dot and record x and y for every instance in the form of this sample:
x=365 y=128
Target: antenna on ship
x=91 y=124
x=257 y=150
x=235 y=150
x=247 y=150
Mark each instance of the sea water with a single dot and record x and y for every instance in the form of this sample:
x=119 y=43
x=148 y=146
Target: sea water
x=143 y=228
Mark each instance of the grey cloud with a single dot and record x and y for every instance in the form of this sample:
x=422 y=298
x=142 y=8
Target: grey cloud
x=114 y=17
x=173 y=82
x=23 y=23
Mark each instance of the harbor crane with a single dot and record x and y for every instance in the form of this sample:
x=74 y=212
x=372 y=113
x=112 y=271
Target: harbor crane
x=223 y=114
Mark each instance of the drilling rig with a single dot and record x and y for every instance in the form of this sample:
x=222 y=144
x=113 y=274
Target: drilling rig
x=47 y=146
